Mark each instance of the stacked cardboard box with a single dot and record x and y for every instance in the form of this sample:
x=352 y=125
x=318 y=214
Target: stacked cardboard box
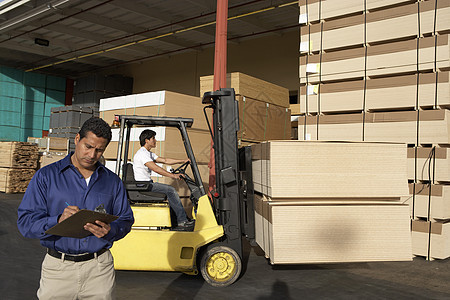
x=379 y=71
x=66 y=121
x=263 y=107
x=331 y=201
x=89 y=90
x=18 y=162
x=26 y=99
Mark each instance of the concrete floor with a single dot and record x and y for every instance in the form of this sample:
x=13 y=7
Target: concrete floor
x=21 y=260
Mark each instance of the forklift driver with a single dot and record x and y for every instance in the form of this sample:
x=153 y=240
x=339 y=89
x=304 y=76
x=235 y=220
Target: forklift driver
x=144 y=161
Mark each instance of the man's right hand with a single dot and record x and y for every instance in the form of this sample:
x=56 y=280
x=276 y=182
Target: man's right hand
x=68 y=211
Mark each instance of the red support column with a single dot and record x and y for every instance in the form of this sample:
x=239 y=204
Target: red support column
x=220 y=69
x=220 y=57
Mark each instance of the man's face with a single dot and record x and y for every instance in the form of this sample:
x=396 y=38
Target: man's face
x=152 y=142
x=88 y=150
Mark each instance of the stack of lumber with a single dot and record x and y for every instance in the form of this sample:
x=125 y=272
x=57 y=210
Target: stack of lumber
x=379 y=71
x=169 y=141
x=51 y=149
x=263 y=107
x=320 y=202
x=18 y=162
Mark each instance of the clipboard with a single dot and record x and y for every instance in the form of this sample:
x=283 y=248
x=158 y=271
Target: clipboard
x=74 y=225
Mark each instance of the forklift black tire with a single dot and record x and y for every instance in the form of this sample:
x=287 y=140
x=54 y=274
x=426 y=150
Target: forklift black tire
x=220 y=266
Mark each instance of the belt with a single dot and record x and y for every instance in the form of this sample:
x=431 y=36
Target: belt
x=75 y=258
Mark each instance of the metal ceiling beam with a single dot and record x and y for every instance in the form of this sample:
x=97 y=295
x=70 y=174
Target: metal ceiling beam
x=59 y=47
x=94 y=37
x=25 y=59
x=157 y=14
x=253 y=20
x=124 y=27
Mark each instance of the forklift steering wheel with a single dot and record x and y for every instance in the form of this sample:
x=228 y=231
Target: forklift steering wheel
x=181 y=169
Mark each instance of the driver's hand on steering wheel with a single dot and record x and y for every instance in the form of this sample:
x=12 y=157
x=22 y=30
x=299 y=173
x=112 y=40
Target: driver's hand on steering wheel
x=177 y=176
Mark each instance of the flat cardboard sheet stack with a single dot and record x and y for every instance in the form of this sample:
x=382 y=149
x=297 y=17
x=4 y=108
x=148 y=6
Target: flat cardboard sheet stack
x=430 y=201
x=378 y=70
x=51 y=149
x=263 y=107
x=331 y=201
x=409 y=127
x=431 y=239
x=371 y=60
x=169 y=142
x=18 y=162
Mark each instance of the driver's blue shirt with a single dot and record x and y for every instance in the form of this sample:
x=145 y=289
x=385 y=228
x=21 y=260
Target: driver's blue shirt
x=55 y=186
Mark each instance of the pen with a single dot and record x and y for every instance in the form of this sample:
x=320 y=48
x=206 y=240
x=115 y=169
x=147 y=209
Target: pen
x=67 y=204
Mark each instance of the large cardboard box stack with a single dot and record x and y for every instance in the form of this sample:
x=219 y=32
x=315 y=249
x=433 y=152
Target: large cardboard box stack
x=66 y=122
x=18 y=162
x=331 y=202
x=379 y=71
x=169 y=141
x=264 y=112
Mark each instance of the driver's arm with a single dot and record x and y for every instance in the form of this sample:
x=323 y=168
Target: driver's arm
x=170 y=161
x=155 y=168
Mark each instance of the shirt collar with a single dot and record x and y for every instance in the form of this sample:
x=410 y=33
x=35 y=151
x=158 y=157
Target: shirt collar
x=66 y=163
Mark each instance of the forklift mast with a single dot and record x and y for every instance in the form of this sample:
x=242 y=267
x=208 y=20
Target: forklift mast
x=233 y=167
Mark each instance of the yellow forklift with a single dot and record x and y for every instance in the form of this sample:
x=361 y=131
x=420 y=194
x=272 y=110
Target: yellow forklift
x=215 y=246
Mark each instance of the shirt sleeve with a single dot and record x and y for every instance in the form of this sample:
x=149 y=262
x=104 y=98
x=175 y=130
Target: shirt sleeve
x=144 y=157
x=33 y=219
x=122 y=226
x=153 y=156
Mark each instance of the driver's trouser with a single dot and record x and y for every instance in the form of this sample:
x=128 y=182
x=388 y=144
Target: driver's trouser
x=174 y=199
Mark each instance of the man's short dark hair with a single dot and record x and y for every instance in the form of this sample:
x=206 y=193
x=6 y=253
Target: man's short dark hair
x=146 y=135
x=98 y=127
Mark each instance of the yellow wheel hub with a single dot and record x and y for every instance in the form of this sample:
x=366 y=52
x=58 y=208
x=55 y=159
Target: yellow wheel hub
x=221 y=266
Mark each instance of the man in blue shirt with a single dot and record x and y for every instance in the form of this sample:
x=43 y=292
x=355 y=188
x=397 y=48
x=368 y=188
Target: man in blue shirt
x=73 y=267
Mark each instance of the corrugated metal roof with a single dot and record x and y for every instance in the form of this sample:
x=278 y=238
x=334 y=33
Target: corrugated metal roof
x=77 y=28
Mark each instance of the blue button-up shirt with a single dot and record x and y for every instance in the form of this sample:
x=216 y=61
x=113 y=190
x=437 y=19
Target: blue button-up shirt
x=59 y=183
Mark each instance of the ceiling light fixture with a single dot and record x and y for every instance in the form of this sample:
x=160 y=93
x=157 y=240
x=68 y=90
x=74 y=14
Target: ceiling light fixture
x=31 y=14
x=41 y=42
x=12 y=6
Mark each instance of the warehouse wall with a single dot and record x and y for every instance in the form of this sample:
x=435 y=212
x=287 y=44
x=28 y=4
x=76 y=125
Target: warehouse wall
x=274 y=59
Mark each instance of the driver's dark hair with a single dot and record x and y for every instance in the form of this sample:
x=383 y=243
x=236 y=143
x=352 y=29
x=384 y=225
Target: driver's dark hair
x=98 y=127
x=146 y=135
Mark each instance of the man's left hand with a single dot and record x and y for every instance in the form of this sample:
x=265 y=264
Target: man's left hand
x=99 y=230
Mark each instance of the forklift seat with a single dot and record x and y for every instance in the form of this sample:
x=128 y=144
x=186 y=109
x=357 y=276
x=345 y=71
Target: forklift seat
x=139 y=191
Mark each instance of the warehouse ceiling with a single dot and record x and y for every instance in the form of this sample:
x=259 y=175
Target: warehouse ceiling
x=77 y=37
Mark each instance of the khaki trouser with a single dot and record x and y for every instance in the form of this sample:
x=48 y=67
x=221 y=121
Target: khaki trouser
x=92 y=279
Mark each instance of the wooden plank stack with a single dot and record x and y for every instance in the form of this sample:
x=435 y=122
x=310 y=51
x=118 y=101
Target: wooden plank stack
x=18 y=162
x=263 y=107
x=378 y=70
x=328 y=202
